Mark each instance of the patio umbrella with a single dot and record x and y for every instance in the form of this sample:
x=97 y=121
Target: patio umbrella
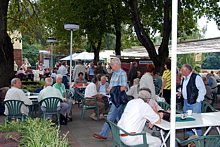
x=85 y=56
x=68 y=57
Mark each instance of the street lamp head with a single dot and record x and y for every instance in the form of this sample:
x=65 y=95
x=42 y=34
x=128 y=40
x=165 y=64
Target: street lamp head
x=71 y=27
x=51 y=40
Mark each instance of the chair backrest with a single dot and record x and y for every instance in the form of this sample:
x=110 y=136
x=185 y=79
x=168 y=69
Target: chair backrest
x=116 y=130
x=202 y=141
x=164 y=105
x=14 y=107
x=130 y=97
x=115 y=133
x=51 y=103
x=206 y=107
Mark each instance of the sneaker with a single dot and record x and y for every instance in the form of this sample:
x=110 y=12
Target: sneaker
x=74 y=102
x=101 y=116
x=93 y=117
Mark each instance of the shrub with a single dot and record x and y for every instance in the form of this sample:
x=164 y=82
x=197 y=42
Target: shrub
x=37 y=133
x=32 y=86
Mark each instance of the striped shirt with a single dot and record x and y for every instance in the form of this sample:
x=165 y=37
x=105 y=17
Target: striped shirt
x=167 y=76
x=119 y=78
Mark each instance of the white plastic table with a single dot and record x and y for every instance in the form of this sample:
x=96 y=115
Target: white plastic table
x=209 y=120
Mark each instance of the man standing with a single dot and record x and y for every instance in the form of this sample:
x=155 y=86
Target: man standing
x=119 y=78
x=15 y=93
x=78 y=68
x=134 y=118
x=193 y=92
x=63 y=71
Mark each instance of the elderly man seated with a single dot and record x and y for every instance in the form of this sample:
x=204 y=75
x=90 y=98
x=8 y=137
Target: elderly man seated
x=15 y=93
x=61 y=88
x=50 y=91
x=136 y=113
x=102 y=87
x=91 y=92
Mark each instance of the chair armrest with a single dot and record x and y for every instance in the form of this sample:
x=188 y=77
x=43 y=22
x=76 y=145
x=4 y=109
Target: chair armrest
x=132 y=134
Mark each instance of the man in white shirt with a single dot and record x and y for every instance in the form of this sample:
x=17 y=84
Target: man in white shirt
x=91 y=92
x=134 y=118
x=62 y=69
x=193 y=91
x=15 y=93
x=50 y=91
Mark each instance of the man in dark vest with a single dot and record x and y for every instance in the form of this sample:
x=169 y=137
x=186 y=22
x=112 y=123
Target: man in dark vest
x=193 y=92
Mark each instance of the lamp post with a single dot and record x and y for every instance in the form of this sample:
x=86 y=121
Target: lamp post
x=51 y=40
x=71 y=27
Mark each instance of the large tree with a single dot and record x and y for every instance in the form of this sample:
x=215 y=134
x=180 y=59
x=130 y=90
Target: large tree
x=151 y=17
x=14 y=15
x=6 y=47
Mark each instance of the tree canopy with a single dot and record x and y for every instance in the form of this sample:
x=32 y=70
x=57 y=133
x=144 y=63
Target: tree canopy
x=97 y=19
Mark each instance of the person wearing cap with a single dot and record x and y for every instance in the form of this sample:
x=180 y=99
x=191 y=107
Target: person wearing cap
x=136 y=113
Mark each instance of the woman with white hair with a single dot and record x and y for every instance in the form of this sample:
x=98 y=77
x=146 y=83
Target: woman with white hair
x=133 y=91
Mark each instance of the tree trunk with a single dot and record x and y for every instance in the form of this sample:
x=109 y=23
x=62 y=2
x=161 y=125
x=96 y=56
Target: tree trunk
x=143 y=37
x=118 y=42
x=117 y=24
x=96 y=50
x=6 y=48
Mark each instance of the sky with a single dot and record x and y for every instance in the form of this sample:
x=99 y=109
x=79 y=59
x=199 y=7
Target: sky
x=212 y=29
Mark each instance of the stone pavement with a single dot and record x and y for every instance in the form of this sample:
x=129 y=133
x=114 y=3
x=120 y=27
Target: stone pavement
x=80 y=131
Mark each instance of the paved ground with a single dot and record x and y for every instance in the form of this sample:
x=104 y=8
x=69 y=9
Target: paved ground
x=80 y=131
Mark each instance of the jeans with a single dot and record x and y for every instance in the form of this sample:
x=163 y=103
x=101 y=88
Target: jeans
x=196 y=108
x=76 y=95
x=113 y=115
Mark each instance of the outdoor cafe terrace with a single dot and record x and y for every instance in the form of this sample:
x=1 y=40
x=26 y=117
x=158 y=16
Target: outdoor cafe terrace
x=80 y=131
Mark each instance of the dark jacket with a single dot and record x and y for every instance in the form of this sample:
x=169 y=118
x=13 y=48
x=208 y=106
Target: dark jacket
x=118 y=97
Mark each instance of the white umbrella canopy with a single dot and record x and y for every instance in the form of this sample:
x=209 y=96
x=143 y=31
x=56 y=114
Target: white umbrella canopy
x=68 y=57
x=85 y=56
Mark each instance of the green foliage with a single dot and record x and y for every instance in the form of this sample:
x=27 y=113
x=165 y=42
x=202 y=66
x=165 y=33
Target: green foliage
x=211 y=61
x=31 y=87
x=30 y=51
x=23 y=16
x=37 y=133
x=189 y=59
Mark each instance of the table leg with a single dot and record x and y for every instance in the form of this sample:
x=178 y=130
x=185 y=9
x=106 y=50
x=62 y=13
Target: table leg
x=217 y=128
x=194 y=130
x=164 y=139
x=207 y=131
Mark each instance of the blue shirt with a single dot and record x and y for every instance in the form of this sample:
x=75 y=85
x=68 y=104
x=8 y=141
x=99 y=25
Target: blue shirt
x=102 y=89
x=199 y=84
x=119 y=78
x=91 y=71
